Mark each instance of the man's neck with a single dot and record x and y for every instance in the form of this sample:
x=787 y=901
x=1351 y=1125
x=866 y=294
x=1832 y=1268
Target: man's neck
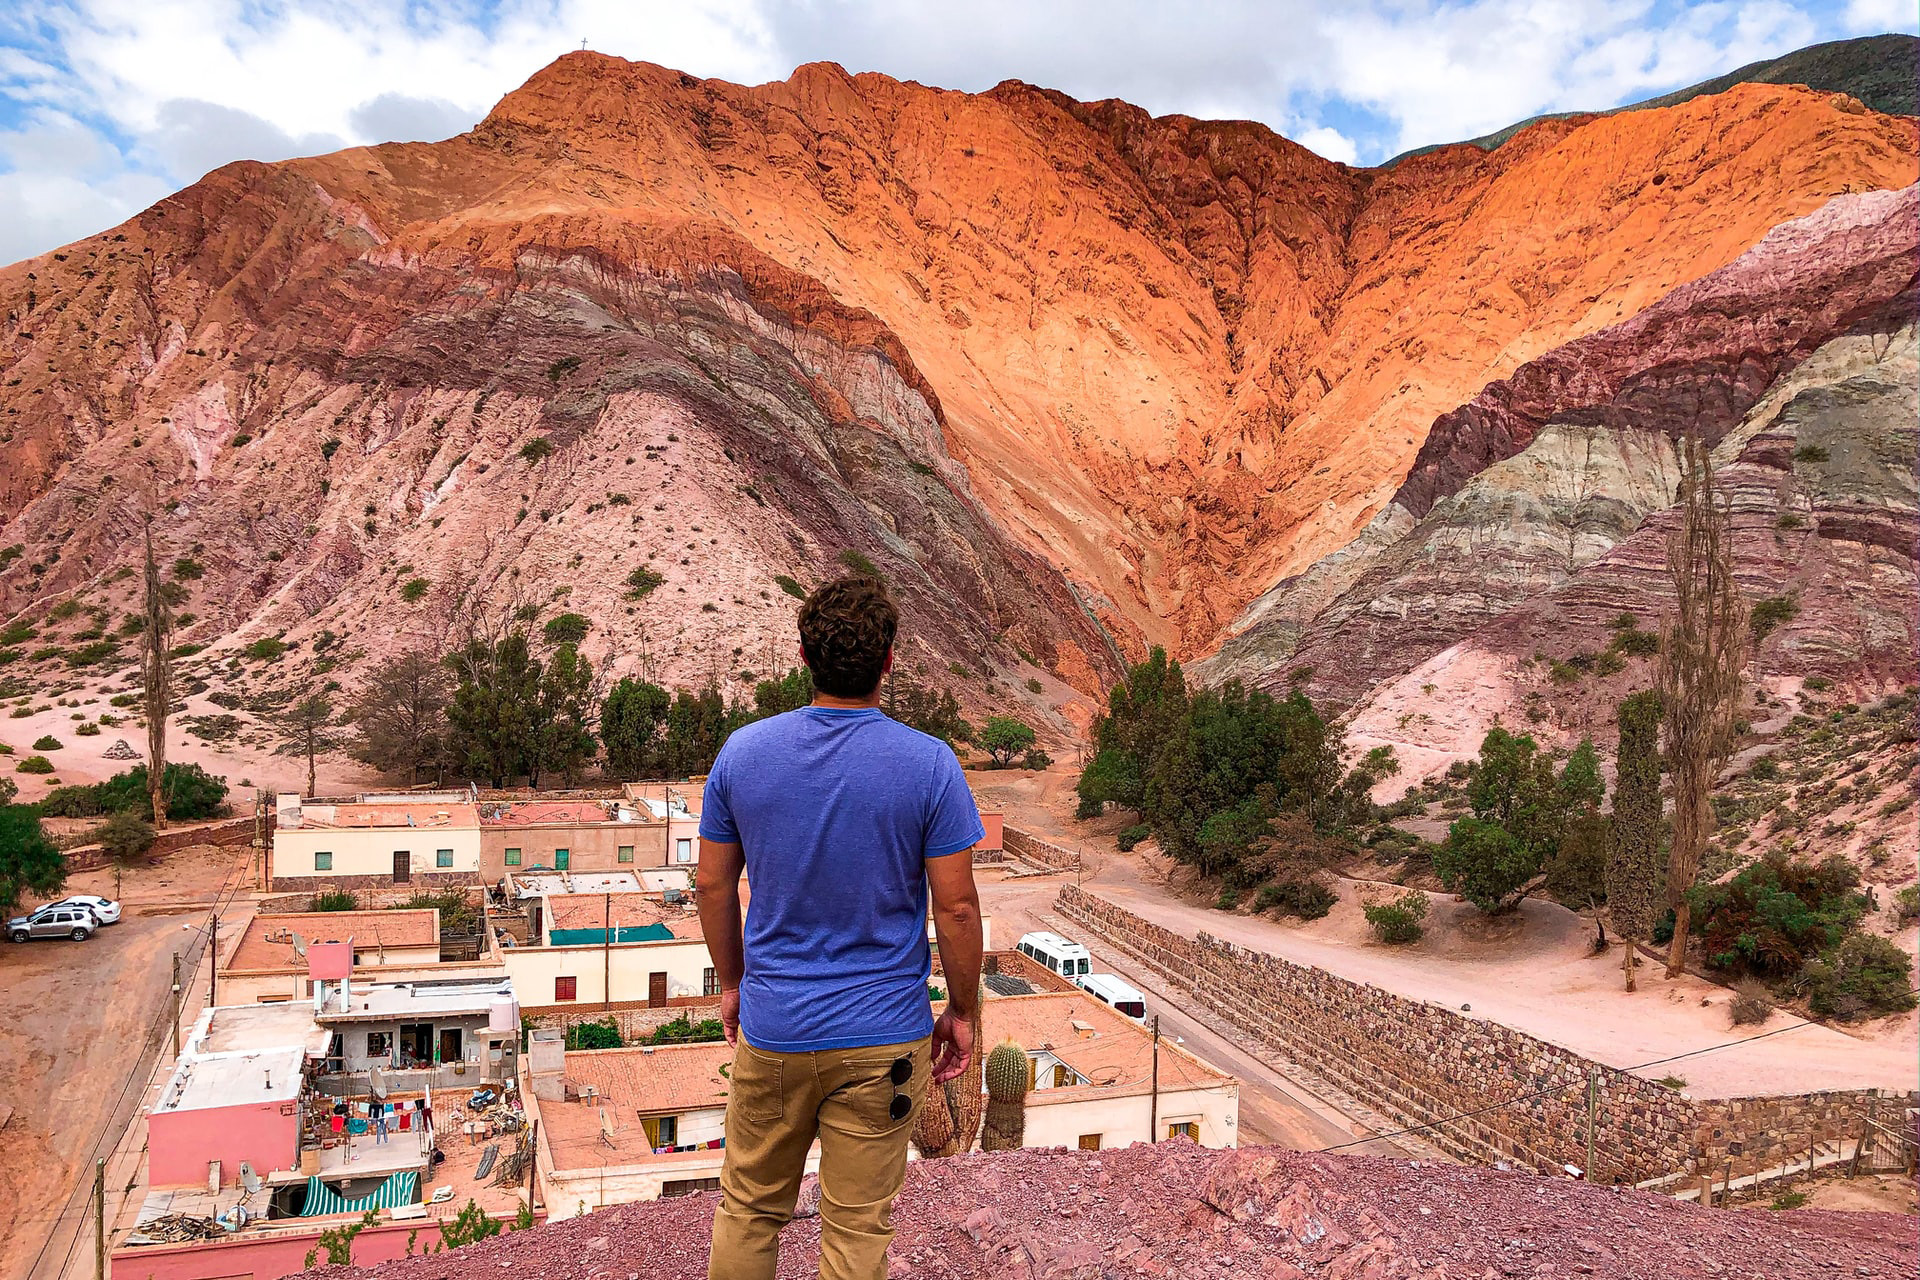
x=869 y=703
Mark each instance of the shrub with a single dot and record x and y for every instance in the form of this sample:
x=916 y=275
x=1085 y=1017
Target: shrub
x=328 y=447
x=187 y=569
x=1228 y=899
x=860 y=564
x=47 y=742
x=684 y=1030
x=265 y=649
x=470 y=1226
x=1033 y=686
x=1132 y=836
x=1672 y=1082
x=641 y=581
x=1307 y=899
x=567 y=628
x=1789 y=1200
x=1906 y=904
x=1810 y=453
x=1764 y=769
x=538 y=449
x=191 y=792
x=604 y=1034
x=125 y=836
x=87 y=730
x=334 y=900
x=789 y=586
x=1770 y=613
x=1752 y=1003
x=1398 y=922
x=415 y=590
x=561 y=368
x=1036 y=760
x=1777 y=914
x=88 y=654
x=1864 y=976
x=34 y=764
x=1789 y=520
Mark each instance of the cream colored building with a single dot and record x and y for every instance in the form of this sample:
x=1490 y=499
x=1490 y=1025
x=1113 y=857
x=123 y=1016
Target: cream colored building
x=264 y=965
x=428 y=840
x=593 y=948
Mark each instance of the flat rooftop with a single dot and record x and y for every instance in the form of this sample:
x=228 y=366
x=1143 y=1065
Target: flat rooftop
x=546 y=813
x=558 y=884
x=398 y=1001
x=630 y=1083
x=1103 y=1046
x=203 y=1081
x=268 y=940
x=360 y=815
x=248 y=1027
x=626 y=911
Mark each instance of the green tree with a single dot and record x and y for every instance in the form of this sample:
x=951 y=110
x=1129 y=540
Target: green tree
x=1141 y=713
x=496 y=698
x=630 y=722
x=125 y=836
x=307 y=729
x=29 y=862
x=561 y=742
x=926 y=708
x=1485 y=864
x=189 y=792
x=1004 y=738
x=790 y=692
x=1634 y=885
x=697 y=726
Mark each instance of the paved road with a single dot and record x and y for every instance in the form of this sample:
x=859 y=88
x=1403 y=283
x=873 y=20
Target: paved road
x=1274 y=1109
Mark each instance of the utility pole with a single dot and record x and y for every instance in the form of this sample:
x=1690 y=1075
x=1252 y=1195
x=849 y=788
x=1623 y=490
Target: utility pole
x=1593 y=1107
x=533 y=1161
x=100 y=1218
x=606 y=950
x=213 y=959
x=1153 y=1104
x=176 y=1006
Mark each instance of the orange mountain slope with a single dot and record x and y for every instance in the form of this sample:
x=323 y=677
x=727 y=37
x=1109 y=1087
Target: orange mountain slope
x=1180 y=359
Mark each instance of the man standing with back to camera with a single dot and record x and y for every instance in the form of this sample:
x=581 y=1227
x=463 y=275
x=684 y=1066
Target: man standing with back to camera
x=843 y=819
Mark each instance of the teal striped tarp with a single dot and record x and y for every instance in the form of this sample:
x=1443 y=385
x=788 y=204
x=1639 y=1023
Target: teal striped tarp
x=624 y=933
x=399 y=1189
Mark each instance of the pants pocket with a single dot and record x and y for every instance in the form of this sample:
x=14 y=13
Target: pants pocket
x=758 y=1081
x=870 y=1091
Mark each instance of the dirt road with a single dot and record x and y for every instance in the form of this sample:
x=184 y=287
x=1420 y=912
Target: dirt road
x=80 y=1024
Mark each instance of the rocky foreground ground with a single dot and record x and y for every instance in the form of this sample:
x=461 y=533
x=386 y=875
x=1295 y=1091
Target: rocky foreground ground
x=1258 y=1214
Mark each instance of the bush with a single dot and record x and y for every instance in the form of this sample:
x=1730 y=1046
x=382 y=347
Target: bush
x=416 y=590
x=1906 y=904
x=86 y=731
x=789 y=586
x=1036 y=760
x=860 y=564
x=265 y=649
x=1864 y=976
x=1752 y=1003
x=47 y=742
x=1774 y=611
x=604 y=1034
x=538 y=449
x=187 y=569
x=334 y=900
x=641 y=581
x=1228 y=900
x=562 y=367
x=1033 y=686
x=684 y=1030
x=125 y=836
x=1131 y=836
x=34 y=764
x=1398 y=922
x=191 y=792
x=567 y=628
x=1810 y=453
x=1777 y=914
x=1307 y=899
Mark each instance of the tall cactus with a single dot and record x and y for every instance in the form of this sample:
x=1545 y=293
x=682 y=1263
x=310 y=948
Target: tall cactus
x=950 y=1117
x=1006 y=1074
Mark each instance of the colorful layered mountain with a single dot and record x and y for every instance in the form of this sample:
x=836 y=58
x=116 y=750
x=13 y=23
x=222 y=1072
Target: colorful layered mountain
x=1075 y=378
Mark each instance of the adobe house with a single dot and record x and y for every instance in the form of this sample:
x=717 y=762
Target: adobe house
x=429 y=840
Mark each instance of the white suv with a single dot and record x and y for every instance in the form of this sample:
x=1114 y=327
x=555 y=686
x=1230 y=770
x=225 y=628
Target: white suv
x=77 y=923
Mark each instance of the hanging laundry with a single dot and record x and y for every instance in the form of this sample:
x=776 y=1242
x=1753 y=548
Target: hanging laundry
x=337 y=1123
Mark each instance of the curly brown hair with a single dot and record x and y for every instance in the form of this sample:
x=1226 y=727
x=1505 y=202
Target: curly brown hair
x=846 y=631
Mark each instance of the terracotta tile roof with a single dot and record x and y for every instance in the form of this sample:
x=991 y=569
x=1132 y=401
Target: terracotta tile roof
x=528 y=813
x=589 y=911
x=267 y=942
x=630 y=1083
x=1113 y=1051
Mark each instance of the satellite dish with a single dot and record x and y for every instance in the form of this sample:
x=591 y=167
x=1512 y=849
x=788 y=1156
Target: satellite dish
x=299 y=945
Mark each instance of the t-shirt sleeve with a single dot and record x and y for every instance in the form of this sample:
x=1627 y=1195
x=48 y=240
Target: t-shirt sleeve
x=716 y=814
x=953 y=819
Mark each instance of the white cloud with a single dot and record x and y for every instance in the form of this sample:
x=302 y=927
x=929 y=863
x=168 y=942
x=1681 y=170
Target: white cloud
x=168 y=89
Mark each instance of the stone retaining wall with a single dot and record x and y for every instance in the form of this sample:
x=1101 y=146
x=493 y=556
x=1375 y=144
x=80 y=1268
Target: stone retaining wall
x=1491 y=1092
x=1028 y=847
x=427 y=881
x=635 y=1020
x=90 y=857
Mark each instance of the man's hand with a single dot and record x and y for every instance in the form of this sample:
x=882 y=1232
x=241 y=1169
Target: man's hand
x=952 y=1046
x=730 y=1014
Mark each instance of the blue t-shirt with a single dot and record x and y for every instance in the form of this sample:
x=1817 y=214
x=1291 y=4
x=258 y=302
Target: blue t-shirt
x=837 y=810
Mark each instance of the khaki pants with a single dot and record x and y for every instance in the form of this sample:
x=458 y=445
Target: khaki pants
x=778 y=1104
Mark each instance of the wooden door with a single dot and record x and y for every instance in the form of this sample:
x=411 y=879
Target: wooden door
x=656 y=990
x=402 y=866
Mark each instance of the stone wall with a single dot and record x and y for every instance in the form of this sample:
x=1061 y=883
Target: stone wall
x=635 y=1020
x=421 y=881
x=1491 y=1093
x=388 y=895
x=89 y=857
x=1028 y=847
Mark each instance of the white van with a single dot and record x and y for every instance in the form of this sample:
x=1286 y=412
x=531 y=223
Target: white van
x=1062 y=955
x=1108 y=989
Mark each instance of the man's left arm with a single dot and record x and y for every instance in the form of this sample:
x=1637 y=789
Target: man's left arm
x=718 y=885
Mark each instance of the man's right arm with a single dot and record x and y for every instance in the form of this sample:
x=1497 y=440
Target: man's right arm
x=956 y=928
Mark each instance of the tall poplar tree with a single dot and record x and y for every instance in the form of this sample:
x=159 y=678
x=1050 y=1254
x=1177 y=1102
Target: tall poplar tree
x=1633 y=861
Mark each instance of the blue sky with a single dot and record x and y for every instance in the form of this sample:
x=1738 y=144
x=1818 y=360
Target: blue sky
x=108 y=105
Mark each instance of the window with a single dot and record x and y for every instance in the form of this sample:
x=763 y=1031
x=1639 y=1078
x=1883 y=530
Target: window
x=1185 y=1129
x=323 y=861
x=625 y=854
x=683 y=850
x=1062 y=1076
x=562 y=859
x=513 y=857
x=443 y=857
x=662 y=1131
x=379 y=1044
x=566 y=989
x=1086 y=966
x=1089 y=1142
x=709 y=981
